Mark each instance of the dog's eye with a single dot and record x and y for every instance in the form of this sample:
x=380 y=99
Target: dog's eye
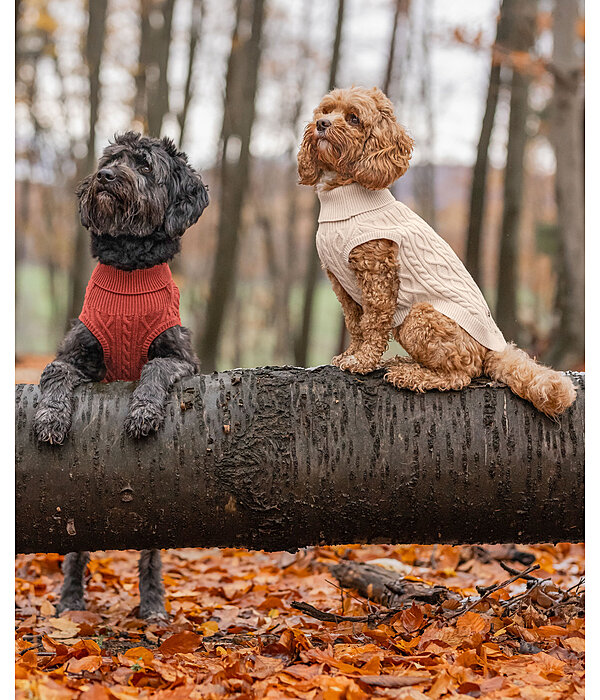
x=353 y=119
x=146 y=168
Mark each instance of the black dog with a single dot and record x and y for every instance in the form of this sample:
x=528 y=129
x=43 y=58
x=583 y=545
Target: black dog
x=137 y=205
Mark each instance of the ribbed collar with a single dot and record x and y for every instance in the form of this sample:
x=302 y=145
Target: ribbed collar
x=349 y=200
x=131 y=282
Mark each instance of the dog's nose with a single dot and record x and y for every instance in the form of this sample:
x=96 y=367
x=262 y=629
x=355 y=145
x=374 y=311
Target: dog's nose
x=323 y=124
x=106 y=175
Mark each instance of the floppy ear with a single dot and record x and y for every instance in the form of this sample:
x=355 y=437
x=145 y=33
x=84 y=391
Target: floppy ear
x=189 y=198
x=81 y=191
x=386 y=154
x=307 y=159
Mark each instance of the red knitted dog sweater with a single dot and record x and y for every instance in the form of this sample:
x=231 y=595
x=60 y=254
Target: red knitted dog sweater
x=126 y=311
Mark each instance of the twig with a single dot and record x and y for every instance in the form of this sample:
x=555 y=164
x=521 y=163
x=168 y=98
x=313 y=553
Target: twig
x=356 y=598
x=332 y=617
x=513 y=572
x=576 y=586
x=495 y=588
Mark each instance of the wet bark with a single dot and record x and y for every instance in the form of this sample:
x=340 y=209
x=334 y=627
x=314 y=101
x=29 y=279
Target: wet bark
x=281 y=458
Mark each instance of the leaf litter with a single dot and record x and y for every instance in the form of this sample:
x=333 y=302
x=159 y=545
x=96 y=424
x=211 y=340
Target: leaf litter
x=460 y=622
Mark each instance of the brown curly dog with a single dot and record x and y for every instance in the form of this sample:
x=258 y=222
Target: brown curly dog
x=393 y=275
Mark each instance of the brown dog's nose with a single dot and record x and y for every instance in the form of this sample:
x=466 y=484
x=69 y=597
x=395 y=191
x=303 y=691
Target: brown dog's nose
x=105 y=175
x=323 y=124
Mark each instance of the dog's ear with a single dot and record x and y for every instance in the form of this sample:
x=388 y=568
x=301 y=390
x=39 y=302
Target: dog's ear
x=308 y=171
x=81 y=191
x=188 y=198
x=387 y=150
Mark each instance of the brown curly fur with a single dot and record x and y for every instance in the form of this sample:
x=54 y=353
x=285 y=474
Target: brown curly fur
x=443 y=356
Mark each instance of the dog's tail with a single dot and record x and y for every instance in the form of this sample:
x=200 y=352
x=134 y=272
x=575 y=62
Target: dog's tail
x=549 y=391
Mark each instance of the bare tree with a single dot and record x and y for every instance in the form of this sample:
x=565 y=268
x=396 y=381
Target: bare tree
x=152 y=87
x=238 y=118
x=401 y=10
x=480 y=169
x=522 y=37
x=312 y=268
x=197 y=13
x=567 y=139
x=93 y=53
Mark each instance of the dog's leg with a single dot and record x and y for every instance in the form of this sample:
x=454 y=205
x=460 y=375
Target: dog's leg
x=152 y=592
x=79 y=359
x=71 y=593
x=443 y=355
x=170 y=358
x=375 y=265
x=352 y=314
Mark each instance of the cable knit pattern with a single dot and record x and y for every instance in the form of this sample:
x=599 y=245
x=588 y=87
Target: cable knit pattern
x=126 y=311
x=429 y=270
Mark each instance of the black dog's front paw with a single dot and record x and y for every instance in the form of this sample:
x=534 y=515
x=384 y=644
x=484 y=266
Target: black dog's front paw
x=143 y=419
x=70 y=601
x=51 y=426
x=154 y=614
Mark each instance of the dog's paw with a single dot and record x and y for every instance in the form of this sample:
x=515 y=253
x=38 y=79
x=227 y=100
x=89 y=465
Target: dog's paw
x=357 y=364
x=338 y=359
x=154 y=614
x=51 y=427
x=70 y=602
x=144 y=419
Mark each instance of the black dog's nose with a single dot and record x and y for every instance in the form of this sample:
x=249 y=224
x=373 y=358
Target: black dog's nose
x=322 y=124
x=106 y=175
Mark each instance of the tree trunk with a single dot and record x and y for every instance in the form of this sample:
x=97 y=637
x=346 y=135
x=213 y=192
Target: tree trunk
x=522 y=37
x=197 y=13
x=94 y=48
x=401 y=9
x=567 y=139
x=312 y=267
x=478 y=183
x=238 y=119
x=152 y=86
x=281 y=458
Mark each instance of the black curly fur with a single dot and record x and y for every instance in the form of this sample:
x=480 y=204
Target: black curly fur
x=136 y=220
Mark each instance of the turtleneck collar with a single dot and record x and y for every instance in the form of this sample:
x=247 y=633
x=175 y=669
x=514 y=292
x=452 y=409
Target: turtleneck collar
x=149 y=279
x=349 y=200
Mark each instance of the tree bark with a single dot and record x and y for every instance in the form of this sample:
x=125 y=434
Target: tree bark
x=152 y=86
x=522 y=38
x=197 y=14
x=480 y=169
x=94 y=48
x=312 y=267
x=567 y=140
x=281 y=458
x=238 y=119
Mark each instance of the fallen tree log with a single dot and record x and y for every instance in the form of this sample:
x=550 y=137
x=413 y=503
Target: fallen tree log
x=281 y=458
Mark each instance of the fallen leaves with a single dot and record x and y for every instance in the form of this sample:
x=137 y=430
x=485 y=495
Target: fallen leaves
x=235 y=634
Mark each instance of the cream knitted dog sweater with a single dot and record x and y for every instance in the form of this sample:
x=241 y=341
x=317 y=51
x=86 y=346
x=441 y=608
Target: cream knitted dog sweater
x=429 y=270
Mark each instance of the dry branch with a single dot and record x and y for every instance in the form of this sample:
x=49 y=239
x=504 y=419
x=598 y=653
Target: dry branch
x=281 y=458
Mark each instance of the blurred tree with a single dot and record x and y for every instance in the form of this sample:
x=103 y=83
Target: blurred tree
x=520 y=38
x=94 y=48
x=238 y=119
x=480 y=169
x=400 y=11
x=567 y=139
x=152 y=88
x=312 y=268
x=197 y=13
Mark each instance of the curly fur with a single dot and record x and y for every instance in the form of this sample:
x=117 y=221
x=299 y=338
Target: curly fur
x=136 y=220
x=374 y=152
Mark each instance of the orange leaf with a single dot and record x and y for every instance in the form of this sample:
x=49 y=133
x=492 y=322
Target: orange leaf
x=471 y=622
x=412 y=618
x=95 y=692
x=181 y=643
x=87 y=663
x=140 y=654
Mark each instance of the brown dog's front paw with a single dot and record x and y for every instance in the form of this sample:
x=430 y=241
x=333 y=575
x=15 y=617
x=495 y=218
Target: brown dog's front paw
x=357 y=364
